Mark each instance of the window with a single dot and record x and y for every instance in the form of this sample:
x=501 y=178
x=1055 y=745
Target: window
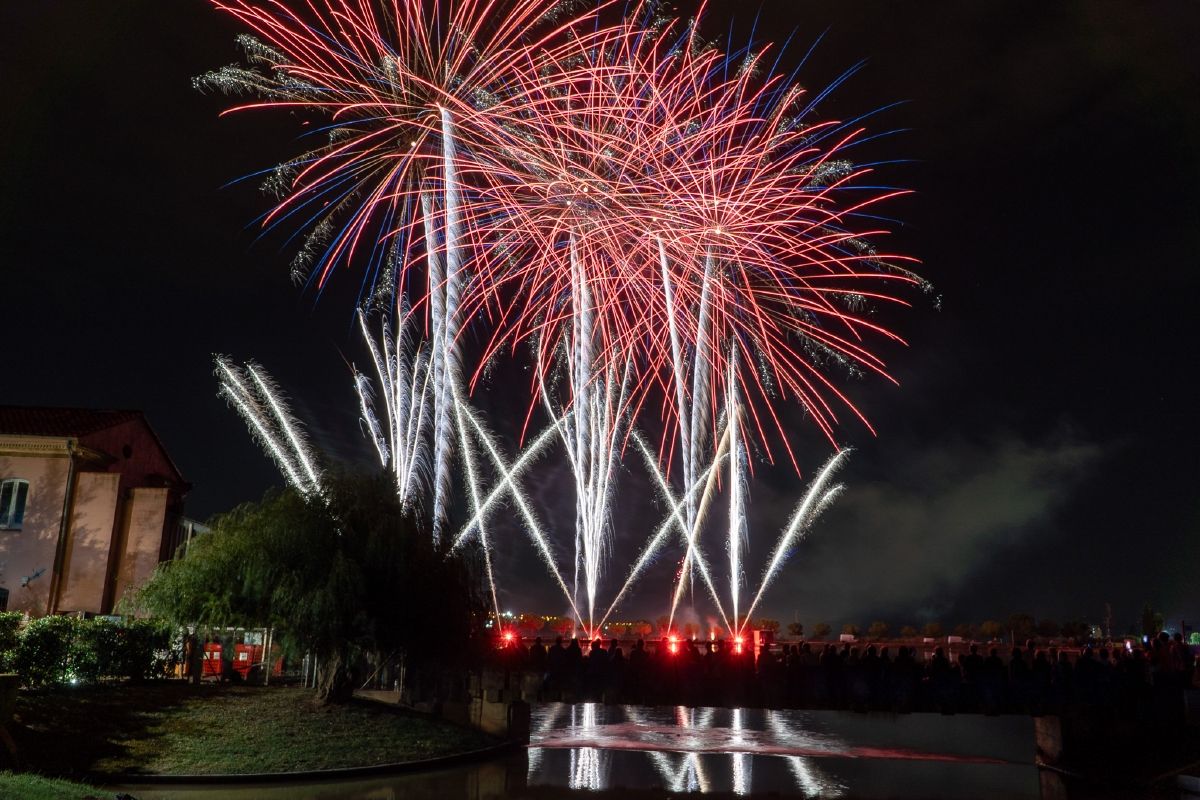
x=3 y=599
x=13 y=492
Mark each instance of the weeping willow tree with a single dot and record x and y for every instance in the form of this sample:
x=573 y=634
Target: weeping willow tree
x=346 y=575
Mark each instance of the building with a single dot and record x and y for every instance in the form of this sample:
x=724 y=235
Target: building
x=90 y=503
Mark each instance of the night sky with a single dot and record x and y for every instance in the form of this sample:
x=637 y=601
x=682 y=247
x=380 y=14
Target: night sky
x=1040 y=454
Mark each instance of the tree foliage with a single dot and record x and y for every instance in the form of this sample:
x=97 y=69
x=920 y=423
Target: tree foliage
x=991 y=630
x=1152 y=621
x=1079 y=630
x=1021 y=626
x=344 y=575
x=1048 y=628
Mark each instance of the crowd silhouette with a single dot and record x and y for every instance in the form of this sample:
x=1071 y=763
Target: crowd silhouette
x=1144 y=681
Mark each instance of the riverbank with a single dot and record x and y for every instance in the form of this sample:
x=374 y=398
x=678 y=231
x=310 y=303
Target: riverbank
x=179 y=729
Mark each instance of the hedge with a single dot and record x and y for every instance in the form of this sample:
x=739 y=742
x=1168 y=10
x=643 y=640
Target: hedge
x=10 y=634
x=53 y=651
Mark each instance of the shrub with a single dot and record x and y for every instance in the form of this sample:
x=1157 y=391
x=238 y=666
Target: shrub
x=53 y=651
x=10 y=635
x=95 y=647
x=43 y=656
x=144 y=651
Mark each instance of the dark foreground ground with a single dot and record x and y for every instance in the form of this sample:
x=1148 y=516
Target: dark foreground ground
x=175 y=728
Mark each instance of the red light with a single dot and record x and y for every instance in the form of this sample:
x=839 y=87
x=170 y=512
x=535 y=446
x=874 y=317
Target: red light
x=738 y=640
x=673 y=647
x=508 y=636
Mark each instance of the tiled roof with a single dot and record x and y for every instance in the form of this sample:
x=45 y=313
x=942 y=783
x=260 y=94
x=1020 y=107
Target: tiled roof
x=75 y=422
x=39 y=421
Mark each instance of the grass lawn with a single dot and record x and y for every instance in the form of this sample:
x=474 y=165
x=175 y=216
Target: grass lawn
x=174 y=728
x=31 y=787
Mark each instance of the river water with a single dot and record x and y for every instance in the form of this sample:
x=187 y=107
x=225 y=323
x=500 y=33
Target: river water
x=588 y=748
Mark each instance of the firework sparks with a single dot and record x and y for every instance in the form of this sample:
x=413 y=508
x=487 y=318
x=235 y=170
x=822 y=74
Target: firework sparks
x=665 y=225
x=508 y=483
x=403 y=371
x=700 y=205
x=393 y=80
x=815 y=500
x=257 y=399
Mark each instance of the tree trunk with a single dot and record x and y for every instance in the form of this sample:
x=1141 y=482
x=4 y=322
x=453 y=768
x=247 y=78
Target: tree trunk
x=335 y=683
x=195 y=659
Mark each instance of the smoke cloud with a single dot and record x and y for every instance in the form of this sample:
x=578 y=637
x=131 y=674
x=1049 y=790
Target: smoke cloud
x=905 y=547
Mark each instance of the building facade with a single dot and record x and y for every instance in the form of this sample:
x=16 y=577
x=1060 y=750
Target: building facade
x=90 y=503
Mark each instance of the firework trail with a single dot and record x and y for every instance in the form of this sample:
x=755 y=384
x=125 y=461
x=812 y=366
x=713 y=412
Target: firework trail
x=257 y=399
x=508 y=483
x=682 y=214
x=402 y=368
x=737 y=487
x=666 y=225
x=671 y=523
x=688 y=435
x=469 y=465
x=445 y=368
x=700 y=203
x=815 y=500
x=690 y=532
x=509 y=475
x=592 y=433
x=401 y=85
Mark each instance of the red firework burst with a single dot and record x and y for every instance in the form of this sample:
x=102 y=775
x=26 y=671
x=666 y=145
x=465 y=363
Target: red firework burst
x=381 y=73
x=689 y=200
x=686 y=195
